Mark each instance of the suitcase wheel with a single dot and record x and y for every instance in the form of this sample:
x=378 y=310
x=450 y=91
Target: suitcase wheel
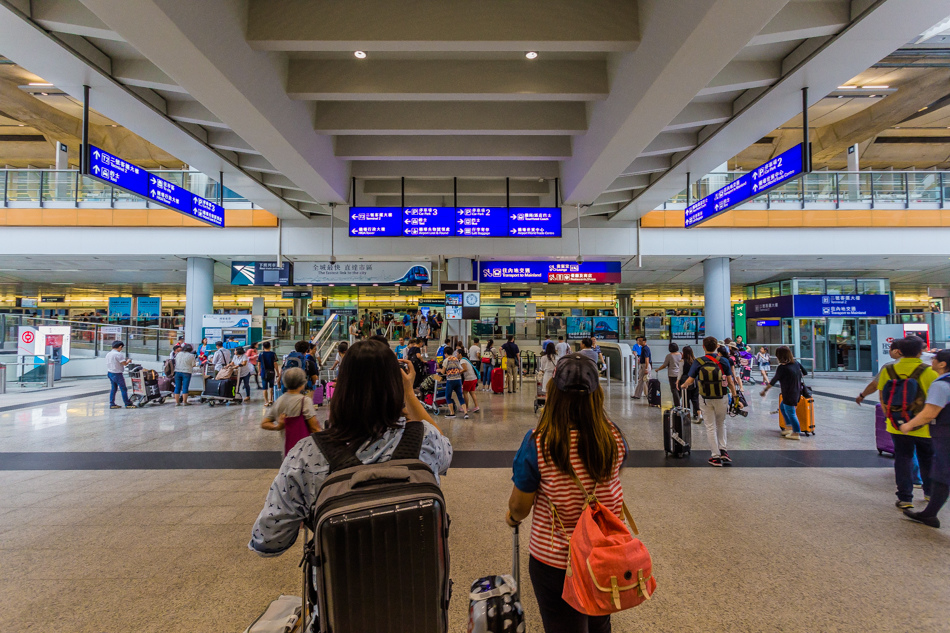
x=161 y=400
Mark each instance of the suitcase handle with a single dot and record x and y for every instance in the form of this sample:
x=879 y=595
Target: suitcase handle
x=516 y=561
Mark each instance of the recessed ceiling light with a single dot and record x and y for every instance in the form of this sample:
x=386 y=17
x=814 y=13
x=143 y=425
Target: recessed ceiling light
x=531 y=54
x=40 y=83
x=21 y=125
x=872 y=96
x=45 y=94
x=875 y=87
x=923 y=108
x=114 y=125
x=360 y=54
x=847 y=87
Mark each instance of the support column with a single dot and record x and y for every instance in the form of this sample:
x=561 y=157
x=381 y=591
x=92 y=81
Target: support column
x=199 y=296
x=458 y=269
x=717 y=290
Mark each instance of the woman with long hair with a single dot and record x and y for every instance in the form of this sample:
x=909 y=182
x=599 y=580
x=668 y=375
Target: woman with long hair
x=372 y=402
x=574 y=438
x=546 y=365
x=488 y=358
x=789 y=376
x=692 y=393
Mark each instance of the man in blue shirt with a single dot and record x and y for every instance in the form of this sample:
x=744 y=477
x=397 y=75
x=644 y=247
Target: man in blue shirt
x=644 y=367
x=709 y=371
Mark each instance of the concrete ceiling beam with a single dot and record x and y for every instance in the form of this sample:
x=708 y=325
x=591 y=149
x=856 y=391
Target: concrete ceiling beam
x=434 y=25
x=144 y=74
x=71 y=17
x=452 y=147
x=613 y=197
x=743 y=75
x=669 y=143
x=647 y=165
x=447 y=80
x=801 y=20
x=626 y=183
x=226 y=139
x=547 y=169
x=276 y=180
x=464 y=186
x=202 y=47
x=441 y=117
x=683 y=45
x=252 y=162
x=192 y=112
x=700 y=114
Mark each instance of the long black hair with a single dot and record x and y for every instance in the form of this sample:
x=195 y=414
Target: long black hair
x=369 y=396
x=550 y=352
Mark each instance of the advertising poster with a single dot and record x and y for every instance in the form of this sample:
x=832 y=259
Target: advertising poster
x=150 y=307
x=606 y=328
x=120 y=307
x=380 y=273
x=262 y=274
x=579 y=327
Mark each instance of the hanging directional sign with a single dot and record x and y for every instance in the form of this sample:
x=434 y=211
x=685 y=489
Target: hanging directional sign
x=428 y=221
x=534 y=222
x=376 y=222
x=132 y=178
x=779 y=170
x=455 y=221
x=482 y=221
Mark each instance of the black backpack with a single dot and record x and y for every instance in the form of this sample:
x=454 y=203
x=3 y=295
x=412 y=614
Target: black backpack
x=710 y=378
x=294 y=360
x=903 y=398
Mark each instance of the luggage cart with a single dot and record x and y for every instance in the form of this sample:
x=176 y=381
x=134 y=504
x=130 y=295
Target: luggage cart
x=144 y=391
x=540 y=397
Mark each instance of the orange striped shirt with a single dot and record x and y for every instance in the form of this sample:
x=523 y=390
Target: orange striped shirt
x=549 y=541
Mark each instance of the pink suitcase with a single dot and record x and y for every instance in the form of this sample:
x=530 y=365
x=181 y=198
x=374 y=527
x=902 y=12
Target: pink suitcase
x=331 y=386
x=885 y=444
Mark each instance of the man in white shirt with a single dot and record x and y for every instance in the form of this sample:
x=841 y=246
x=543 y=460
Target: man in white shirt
x=475 y=353
x=221 y=356
x=115 y=365
x=562 y=348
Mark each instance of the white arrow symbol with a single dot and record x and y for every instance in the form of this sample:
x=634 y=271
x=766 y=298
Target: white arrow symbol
x=95 y=168
x=513 y=231
x=514 y=217
x=152 y=193
x=353 y=217
x=153 y=180
x=96 y=154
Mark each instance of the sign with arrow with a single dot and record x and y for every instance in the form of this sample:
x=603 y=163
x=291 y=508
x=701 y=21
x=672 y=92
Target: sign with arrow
x=132 y=178
x=455 y=221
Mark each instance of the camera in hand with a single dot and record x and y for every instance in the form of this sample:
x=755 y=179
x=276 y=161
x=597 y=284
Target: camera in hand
x=735 y=409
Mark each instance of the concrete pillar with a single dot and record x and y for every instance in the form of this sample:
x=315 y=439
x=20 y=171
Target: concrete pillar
x=199 y=296
x=854 y=158
x=717 y=290
x=458 y=269
x=62 y=157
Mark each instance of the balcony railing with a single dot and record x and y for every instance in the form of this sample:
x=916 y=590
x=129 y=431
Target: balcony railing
x=49 y=187
x=838 y=189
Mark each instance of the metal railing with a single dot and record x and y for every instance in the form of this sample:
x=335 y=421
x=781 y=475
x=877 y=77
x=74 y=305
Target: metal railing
x=42 y=187
x=861 y=189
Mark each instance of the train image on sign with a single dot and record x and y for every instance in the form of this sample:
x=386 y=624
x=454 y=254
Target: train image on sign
x=415 y=275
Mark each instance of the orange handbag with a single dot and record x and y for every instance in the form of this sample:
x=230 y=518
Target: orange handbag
x=608 y=569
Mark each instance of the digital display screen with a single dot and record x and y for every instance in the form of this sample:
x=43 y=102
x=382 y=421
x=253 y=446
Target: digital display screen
x=455 y=221
x=768 y=323
x=769 y=175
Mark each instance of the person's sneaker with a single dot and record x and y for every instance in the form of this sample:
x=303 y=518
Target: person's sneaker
x=131 y=406
x=465 y=417
x=177 y=404
x=785 y=432
x=793 y=436
x=115 y=406
x=724 y=458
x=450 y=415
x=476 y=410
x=904 y=505
x=715 y=461
x=919 y=486
x=634 y=397
x=933 y=522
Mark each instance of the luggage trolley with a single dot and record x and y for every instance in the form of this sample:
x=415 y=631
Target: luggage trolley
x=541 y=396
x=144 y=386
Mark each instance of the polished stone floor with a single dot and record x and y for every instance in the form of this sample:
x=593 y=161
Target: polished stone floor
x=149 y=545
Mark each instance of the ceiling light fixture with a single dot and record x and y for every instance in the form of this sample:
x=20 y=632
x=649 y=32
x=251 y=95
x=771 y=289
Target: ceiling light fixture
x=531 y=54
x=847 y=87
x=40 y=83
x=45 y=94
x=923 y=108
x=875 y=87
x=360 y=54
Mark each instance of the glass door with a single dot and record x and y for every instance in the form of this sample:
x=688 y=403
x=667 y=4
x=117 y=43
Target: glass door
x=807 y=344
x=842 y=349
x=865 y=327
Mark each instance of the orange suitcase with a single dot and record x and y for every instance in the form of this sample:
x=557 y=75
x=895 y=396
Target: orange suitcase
x=806 y=415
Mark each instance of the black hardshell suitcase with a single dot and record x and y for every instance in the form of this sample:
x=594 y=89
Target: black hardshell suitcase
x=653 y=392
x=379 y=555
x=677 y=431
x=220 y=388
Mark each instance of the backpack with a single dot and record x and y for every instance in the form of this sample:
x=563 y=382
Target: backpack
x=397 y=502
x=903 y=397
x=608 y=569
x=293 y=361
x=453 y=369
x=169 y=368
x=711 y=378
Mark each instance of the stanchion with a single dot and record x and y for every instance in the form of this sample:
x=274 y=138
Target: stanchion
x=608 y=372
x=3 y=379
x=50 y=372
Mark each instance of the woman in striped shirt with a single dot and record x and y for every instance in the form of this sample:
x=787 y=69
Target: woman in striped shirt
x=573 y=436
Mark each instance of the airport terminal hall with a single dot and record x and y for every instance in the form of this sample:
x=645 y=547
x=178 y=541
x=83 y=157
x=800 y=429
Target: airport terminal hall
x=574 y=316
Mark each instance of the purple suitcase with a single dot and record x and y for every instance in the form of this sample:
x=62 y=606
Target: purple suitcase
x=318 y=393
x=885 y=444
x=433 y=367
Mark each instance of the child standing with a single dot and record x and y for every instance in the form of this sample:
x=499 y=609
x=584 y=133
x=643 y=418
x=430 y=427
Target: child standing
x=294 y=413
x=765 y=363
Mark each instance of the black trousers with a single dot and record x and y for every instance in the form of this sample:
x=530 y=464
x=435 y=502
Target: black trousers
x=674 y=387
x=557 y=615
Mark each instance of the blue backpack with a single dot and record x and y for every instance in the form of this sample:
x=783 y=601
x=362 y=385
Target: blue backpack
x=903 y=397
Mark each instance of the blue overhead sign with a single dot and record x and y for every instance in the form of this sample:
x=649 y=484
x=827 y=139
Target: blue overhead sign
x=779 y=170
x=550 y=272
x=455 y=221
x=842 y=305
x=132 y=178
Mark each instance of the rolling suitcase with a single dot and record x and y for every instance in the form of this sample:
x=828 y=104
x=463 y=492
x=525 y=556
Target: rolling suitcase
x=498 y=380
x=494 y=601
x=806 y=415
x=219 y=388
x=165 y=384
x=329 y=389
x=653 y=392
x=319 y=393
x=379 y=553
x=885 y=443
x=677 y=430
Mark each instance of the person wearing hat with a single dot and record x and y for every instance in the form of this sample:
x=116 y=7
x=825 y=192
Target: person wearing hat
x=542 y=475
x=115 y=365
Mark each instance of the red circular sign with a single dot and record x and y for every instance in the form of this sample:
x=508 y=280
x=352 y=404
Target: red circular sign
x=27 y=337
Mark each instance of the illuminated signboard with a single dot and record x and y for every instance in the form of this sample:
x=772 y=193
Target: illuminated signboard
x=455 y=221
x=550 y=272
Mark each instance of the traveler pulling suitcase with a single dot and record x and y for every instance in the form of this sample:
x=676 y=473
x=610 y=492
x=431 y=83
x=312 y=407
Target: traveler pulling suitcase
x=494 y=601
x=363 y=584
x=498 y=380
x=806 y=415
x=653 y=392
x=677 y=430
x=885 y=443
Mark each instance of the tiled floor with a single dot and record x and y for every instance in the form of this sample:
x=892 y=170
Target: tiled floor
x=754 y=549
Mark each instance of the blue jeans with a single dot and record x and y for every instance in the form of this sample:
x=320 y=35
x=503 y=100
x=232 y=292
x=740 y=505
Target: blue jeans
x=904 y=448
x=454 y=386
x=486 y=373
x=118 y=382
x=916 y=472
x=182 y=382
x=791 y=417
x=246 y=381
